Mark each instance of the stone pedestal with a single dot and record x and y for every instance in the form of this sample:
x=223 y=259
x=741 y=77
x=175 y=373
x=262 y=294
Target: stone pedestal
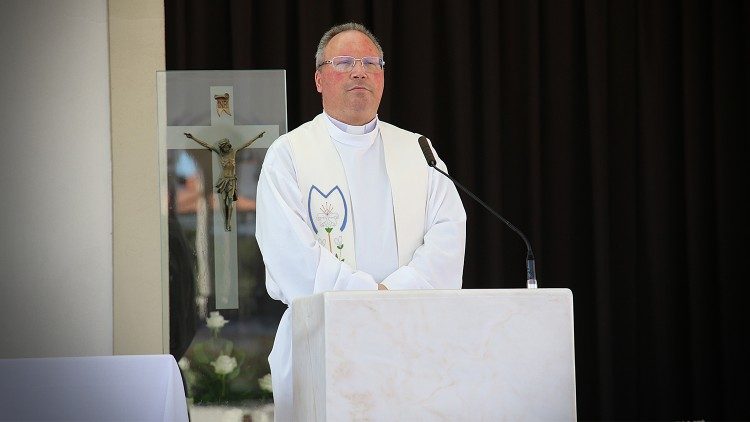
x=434 y=355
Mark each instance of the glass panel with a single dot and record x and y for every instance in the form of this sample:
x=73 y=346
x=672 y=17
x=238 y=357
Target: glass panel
x=221 y=320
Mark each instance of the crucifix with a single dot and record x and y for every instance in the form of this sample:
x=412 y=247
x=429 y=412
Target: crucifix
x=223 y=169
x=227 y=184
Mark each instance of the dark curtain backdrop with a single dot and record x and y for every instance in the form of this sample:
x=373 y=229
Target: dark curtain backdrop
x=612 y=133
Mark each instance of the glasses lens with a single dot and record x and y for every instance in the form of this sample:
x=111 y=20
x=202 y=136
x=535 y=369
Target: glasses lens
x=372 y=64
x=343 y=63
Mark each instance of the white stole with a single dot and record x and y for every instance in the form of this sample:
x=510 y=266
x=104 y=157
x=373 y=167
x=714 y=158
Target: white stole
x=322 y=181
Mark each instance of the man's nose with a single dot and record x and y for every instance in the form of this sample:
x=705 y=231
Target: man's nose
x=359 y=70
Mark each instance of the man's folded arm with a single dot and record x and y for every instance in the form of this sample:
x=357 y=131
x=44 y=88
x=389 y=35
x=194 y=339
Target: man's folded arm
x=438 y=263
x=295 y=261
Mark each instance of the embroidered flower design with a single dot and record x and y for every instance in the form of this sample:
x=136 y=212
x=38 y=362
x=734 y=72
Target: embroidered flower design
x=338 y=240
x=327 y=217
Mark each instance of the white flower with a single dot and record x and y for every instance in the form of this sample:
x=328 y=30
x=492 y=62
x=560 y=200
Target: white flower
x=265 y=383
x=184 y=364
x=215 y=321
x=224 y=365
x=339 y=241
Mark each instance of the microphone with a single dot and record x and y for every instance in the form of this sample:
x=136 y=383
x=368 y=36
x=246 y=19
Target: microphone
x=530 y=267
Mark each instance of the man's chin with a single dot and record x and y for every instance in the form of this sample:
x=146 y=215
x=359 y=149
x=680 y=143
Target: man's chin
x=361 y=101
x=358 y=116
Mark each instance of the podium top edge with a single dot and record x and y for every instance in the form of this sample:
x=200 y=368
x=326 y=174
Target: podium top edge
x=441 y=293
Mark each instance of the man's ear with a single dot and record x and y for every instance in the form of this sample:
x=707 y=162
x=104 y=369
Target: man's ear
x=318 y=84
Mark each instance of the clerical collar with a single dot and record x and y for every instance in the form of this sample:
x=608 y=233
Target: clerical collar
x=354 y=130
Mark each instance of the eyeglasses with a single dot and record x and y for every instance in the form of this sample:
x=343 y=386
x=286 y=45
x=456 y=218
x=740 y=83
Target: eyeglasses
x=347 y=63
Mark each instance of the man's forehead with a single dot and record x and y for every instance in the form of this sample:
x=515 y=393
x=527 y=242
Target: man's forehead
x=350 y=39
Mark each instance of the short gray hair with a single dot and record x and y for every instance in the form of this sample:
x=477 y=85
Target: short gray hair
x=349 y=26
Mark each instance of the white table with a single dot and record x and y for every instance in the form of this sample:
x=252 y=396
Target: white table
x=101 y=388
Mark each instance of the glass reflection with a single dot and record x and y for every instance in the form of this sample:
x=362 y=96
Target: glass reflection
x=222 y=353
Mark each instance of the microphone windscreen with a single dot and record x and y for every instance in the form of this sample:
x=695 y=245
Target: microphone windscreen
x=427 y=151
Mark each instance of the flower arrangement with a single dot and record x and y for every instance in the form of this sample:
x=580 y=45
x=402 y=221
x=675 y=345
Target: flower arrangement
x=217 y=372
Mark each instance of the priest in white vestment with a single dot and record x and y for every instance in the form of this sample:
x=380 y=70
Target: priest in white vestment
x=347 y=202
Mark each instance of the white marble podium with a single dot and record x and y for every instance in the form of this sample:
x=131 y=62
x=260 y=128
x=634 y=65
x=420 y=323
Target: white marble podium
x=458 y=355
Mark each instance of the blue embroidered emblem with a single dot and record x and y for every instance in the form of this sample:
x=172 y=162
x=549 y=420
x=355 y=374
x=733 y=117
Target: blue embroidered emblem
x=327 y=216
x=328 y=212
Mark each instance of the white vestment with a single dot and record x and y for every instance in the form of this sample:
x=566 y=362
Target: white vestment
x=303 y=242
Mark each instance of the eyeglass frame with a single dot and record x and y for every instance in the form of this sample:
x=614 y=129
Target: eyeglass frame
x=381 y=62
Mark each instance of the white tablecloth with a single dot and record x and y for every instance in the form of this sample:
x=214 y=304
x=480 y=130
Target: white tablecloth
x=102 y=388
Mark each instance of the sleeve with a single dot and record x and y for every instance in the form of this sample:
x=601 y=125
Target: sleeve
x=296 y=264
x=439 y=262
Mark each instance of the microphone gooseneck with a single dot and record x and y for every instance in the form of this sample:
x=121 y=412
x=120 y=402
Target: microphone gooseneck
x=531 y=282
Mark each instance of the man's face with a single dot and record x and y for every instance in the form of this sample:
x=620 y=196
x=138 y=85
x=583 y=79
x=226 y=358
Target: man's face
x=351 y=97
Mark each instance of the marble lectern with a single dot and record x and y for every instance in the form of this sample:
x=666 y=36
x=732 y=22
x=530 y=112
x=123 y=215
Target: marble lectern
x=478 y=355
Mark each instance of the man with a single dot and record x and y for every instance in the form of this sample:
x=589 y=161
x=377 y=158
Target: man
x=346 y=202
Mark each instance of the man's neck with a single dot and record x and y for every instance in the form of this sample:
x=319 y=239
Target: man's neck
x=353 y=129
x=352 y=119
